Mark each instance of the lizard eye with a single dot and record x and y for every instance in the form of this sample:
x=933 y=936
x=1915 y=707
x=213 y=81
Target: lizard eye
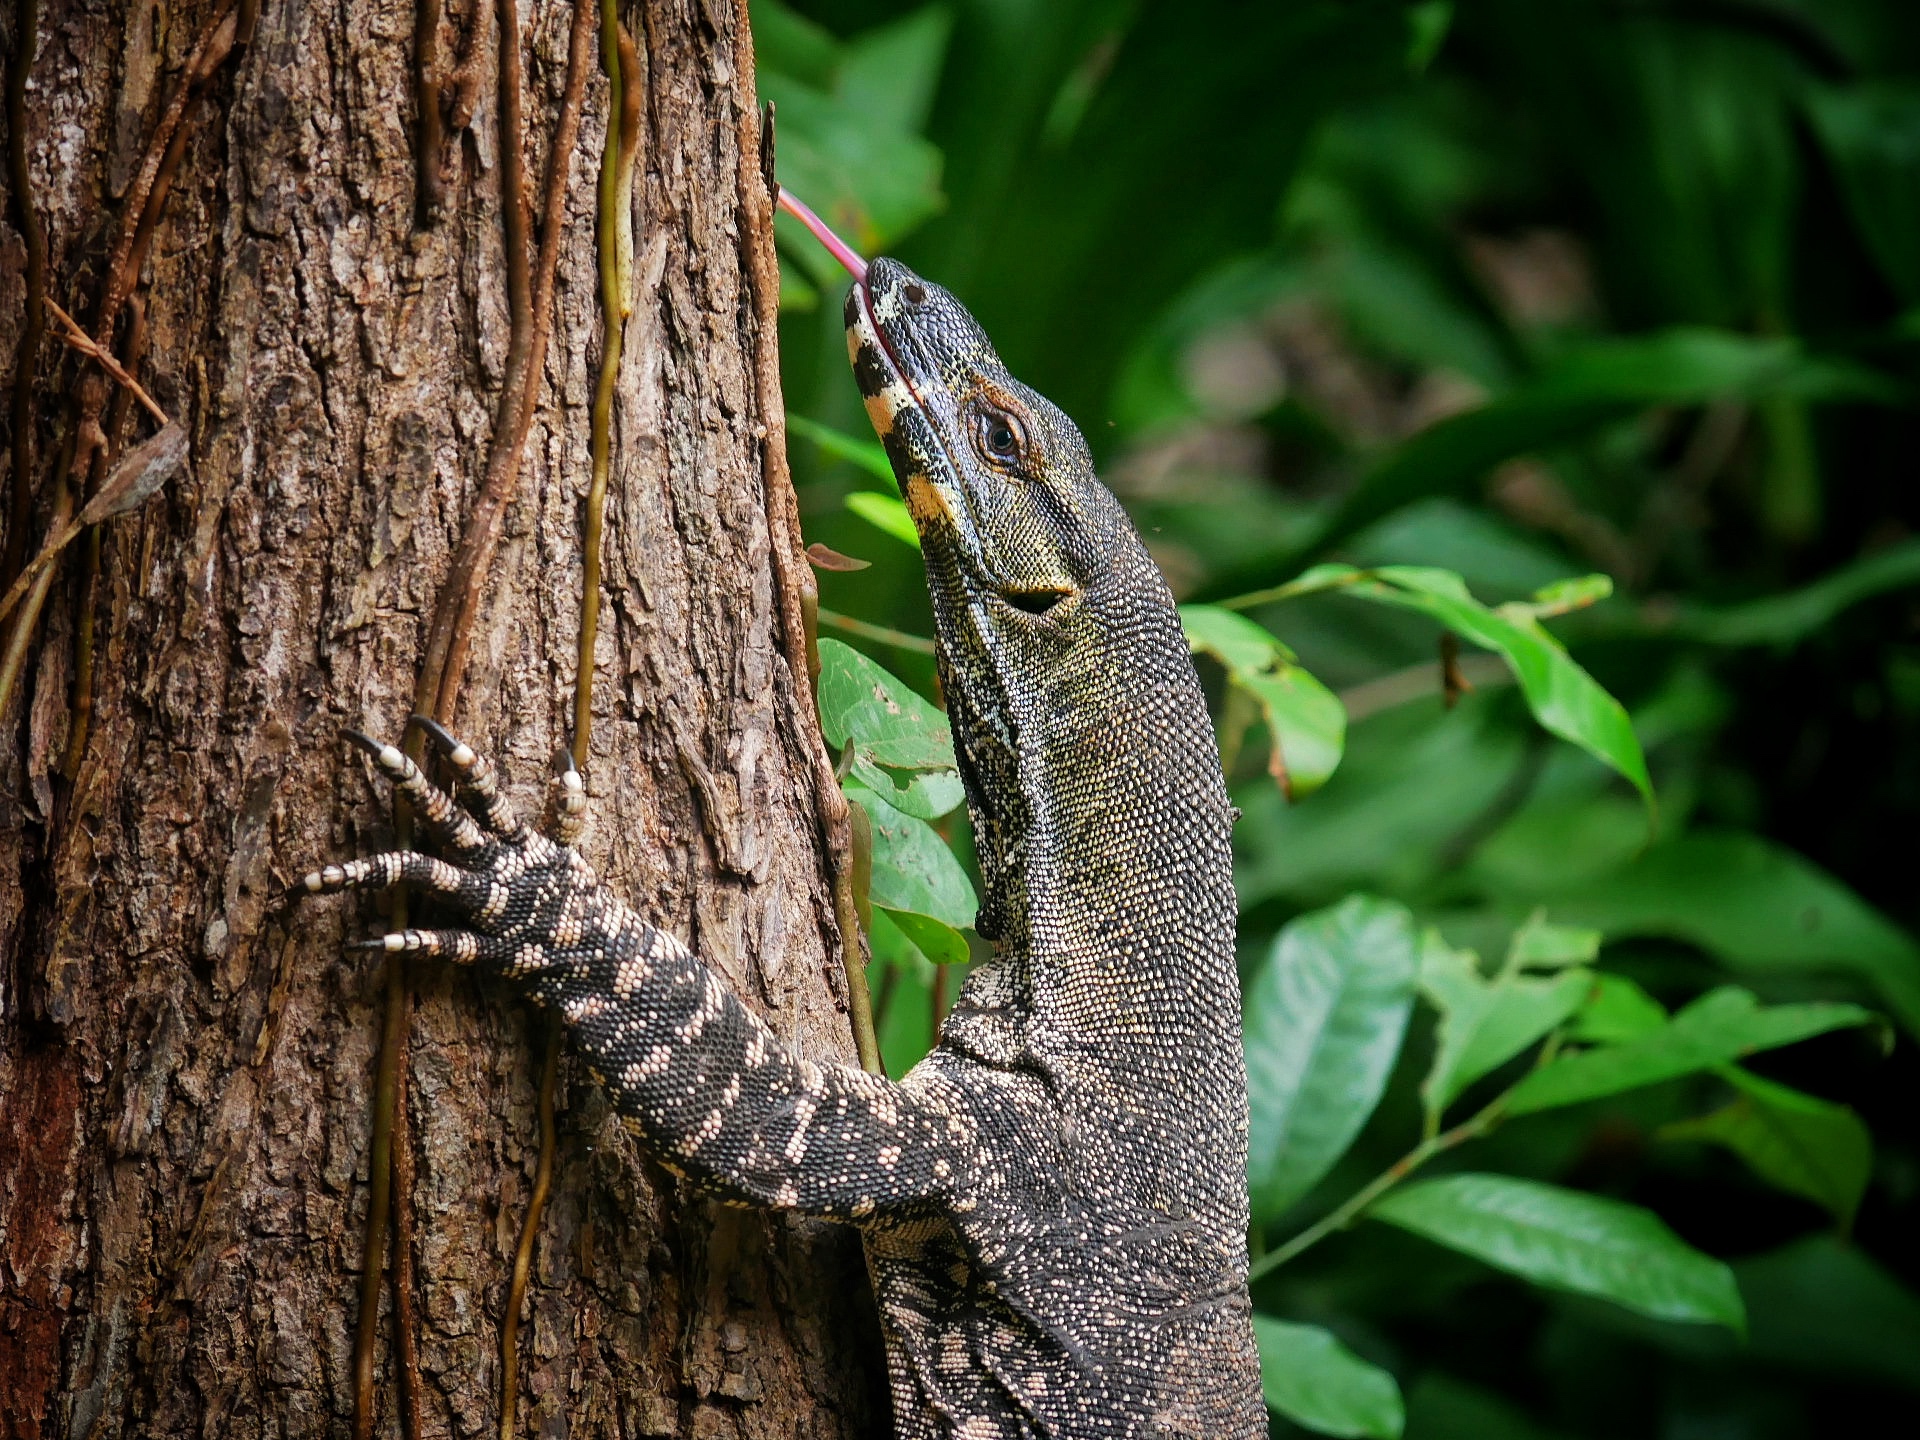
x=999 y=436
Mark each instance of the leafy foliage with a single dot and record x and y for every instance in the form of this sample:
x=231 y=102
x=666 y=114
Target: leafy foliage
x=1563 y=697
x=1324 y=1020
x=1794 y=1141
x=1569 y=1240
x=1718 y=1027
x=899 y=745
x=1579 y=341
x=1310 y=1377
x=1306 y=723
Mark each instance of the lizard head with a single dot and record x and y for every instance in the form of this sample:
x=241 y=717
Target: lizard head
x=1050 y=614
x=1015 y=528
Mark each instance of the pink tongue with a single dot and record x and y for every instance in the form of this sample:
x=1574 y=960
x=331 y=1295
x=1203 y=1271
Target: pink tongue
x=836 y=247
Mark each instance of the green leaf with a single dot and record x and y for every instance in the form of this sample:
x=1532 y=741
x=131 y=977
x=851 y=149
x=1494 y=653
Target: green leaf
x=1427 y=24
x=1305 y=719
x=1311 y=1378
x=940 y=943
x=1616 y=1010
x=1484 y=1024
x=1441 y=1407
x=787 y=42
x=1872 y=134
x=1568 y=1240
x=866 y=454
x=887 y=513
x=1324 y=1020
x=1718 y=1028
x=1824 y=1307
x=1566 y=700
x=1792 y=1140
x=914 y=873
x=902 y=748
x=1785 y=618
x=1538 y=945
x=891 y=71
x=1692 y=365
x=1754 y=906
x=1587 y=389
x=889 y=943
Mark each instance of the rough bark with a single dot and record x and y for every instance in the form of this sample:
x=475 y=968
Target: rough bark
x=187 y=1070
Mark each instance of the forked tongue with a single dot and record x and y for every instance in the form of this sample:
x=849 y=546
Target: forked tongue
x=836 y=247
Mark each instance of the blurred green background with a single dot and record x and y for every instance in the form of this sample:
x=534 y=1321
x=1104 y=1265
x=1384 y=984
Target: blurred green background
x=1521 y=289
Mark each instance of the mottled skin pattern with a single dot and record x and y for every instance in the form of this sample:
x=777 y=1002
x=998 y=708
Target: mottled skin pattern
x=1054 y=1201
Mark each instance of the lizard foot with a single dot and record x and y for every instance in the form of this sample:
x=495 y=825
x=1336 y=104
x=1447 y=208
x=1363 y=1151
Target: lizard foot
x=519 y=899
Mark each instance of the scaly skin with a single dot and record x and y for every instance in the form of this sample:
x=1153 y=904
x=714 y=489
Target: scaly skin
x=1054 y=1201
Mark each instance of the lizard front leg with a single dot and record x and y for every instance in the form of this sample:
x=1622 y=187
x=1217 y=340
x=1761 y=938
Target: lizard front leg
x=712 y=1092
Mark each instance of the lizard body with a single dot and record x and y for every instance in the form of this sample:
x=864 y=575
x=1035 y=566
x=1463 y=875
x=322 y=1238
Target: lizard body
x=1053 y=1201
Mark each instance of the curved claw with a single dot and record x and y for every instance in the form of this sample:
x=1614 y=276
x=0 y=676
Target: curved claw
x=365 y=741
x=476 y=778
x=452 y=746
x=445 y=821
x=461 y=946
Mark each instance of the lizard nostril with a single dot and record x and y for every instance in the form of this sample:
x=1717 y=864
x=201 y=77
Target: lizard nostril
x=914 y=294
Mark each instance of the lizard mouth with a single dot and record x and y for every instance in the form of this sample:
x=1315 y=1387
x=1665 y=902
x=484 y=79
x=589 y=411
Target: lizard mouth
x=892 y=390
x=875 y=389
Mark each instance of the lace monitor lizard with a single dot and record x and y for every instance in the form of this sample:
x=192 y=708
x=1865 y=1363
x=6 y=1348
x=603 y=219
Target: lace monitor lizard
x=1053 y=1201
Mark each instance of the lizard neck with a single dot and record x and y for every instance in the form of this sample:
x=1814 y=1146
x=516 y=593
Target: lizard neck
x=1103 y=827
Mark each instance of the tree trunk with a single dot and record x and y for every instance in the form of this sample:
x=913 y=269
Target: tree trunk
x=188 y=1067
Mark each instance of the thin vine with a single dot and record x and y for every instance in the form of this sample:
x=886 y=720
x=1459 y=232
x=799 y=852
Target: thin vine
x=612 y=227
x=880 y=634
x=797 y=593
x=80 y=722
x=530 y=280
x=26 y=219
x=428 y=132
x=529 y=1229
x=82 y=461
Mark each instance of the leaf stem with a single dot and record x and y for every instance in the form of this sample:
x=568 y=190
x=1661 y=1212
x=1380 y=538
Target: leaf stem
x=867 y=630
x=529 y=1234
x=1310 y=583
x=1351 y=1209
